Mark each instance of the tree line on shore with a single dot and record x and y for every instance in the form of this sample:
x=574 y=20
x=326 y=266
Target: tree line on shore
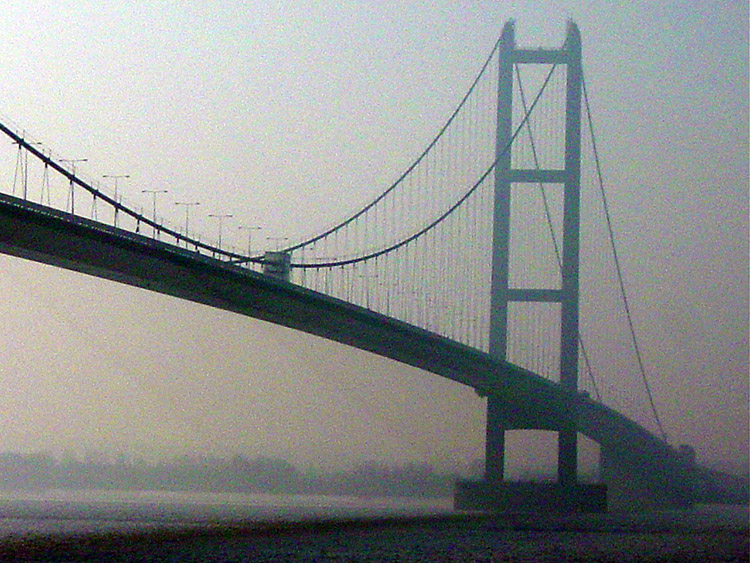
x=232 y=474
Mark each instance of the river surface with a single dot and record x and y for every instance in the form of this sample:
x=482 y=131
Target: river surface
x=58 y=525
x=81 y=511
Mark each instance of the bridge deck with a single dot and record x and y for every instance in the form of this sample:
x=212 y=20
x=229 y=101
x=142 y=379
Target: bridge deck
x=38 y=233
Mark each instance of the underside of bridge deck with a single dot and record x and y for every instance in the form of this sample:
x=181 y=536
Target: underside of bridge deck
x=52 y=237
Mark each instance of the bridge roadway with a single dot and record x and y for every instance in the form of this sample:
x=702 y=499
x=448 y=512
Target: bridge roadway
x=50 y=236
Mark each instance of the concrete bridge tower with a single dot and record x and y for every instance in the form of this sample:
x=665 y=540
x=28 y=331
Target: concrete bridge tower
x=503 y=408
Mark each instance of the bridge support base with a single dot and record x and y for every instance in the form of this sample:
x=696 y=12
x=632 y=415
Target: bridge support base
x=509 y=496
x=636 y=486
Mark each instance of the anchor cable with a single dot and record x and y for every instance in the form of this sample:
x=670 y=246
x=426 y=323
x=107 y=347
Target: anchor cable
x=617 y=265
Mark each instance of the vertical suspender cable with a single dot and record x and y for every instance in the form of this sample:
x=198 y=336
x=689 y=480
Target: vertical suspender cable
x=555 y=244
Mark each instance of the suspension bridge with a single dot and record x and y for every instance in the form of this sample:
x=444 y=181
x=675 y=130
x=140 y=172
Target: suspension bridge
x=467 y=266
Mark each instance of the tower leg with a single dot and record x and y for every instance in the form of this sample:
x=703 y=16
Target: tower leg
x=494 y=460
x=494 y=493
x=567 y=457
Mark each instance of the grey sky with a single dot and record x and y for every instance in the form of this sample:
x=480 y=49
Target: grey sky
x=289 y=116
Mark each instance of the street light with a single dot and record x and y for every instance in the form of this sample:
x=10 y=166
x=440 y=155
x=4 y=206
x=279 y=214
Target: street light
x=116 y=177
x=277 y=240
x=249 y=235
x=26 y=169
x=153 y=193
x=73 y=162
x=188 y=205
x=221 y=219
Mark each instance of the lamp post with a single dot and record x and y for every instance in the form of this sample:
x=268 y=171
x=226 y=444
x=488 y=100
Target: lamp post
x=188 y=205
x=73 y=162
x=249 y=235
x=116 y=177
x=221 y=220
x=26 y=170
x=153 y=193
x=277 y=240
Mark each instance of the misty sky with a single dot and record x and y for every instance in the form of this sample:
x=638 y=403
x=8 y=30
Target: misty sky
x=289 y=116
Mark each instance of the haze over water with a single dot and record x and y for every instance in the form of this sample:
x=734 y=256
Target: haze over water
x=699 y=535
x=291 y=116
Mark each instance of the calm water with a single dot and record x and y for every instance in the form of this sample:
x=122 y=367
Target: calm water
x=706 y=533
x=66 y=511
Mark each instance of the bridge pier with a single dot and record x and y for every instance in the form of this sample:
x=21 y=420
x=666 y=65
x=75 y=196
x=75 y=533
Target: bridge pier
x=494 y=456
x=507 y=496
x=631 y=481
x=497 y=425
x=519 y=409
x=567 y=456
x=634 y=484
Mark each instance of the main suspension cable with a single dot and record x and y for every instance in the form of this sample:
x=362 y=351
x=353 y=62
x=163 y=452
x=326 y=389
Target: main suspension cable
x=451 y=209
x=118 y=207
x=617 y=264
x=406 y=173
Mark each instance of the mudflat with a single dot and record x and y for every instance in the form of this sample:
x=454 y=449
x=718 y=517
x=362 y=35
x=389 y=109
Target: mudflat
x=720 y=534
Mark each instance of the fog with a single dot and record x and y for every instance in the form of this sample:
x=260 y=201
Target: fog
x=288 y=117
